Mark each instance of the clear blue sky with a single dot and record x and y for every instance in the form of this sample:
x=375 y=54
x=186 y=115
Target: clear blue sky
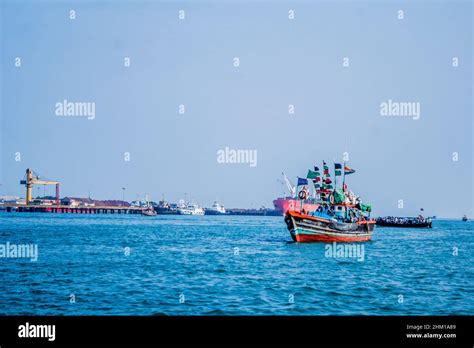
x=282 y=62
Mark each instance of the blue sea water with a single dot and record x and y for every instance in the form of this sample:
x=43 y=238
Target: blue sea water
x=228 y=265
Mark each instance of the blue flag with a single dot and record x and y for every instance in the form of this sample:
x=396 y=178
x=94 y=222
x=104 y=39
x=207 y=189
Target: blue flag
x=302 y=181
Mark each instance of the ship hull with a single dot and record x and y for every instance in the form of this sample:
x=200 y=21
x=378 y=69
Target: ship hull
x=214 y=212
x=282 y=205
x=190 y=212
x=304 y=228
x=164 y=211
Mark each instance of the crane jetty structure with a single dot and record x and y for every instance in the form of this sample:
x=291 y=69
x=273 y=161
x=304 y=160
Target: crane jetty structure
x=66 y=205
x=34 y=180
x=56 y=204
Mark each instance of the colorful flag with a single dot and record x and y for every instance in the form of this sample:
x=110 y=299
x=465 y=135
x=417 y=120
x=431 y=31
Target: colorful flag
x=325 y=167
x=348 y=170
x=316 y=176
x=326 y=182
x=326 y=170
x=312 y=174
x=337 y=169
x=302 y=181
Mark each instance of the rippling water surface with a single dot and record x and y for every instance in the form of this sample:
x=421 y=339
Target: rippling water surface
x=225 y=265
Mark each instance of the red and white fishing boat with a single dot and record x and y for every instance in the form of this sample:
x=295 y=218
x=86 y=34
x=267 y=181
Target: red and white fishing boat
x=307 y=228
x=338 y=216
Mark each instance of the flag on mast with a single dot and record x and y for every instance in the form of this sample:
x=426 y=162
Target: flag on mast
x=326 y=169
x=327 y=187
x=316 y=179
x=312 y=174
x=337 y=172
x=302 y=181
x=348 y=170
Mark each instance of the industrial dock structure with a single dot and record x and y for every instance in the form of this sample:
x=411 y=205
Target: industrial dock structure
x=75 y=205
x=75 y=210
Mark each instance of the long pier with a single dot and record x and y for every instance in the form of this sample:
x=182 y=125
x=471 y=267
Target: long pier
x=31 y=208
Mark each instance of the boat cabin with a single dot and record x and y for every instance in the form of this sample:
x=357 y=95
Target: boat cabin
x=340 y=211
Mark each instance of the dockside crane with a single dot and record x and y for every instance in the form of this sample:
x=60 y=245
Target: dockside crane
x=31 y=180
x=289 y=185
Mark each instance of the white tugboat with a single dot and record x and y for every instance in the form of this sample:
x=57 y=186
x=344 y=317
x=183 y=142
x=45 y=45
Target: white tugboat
x=190 y=209
x=216 y=209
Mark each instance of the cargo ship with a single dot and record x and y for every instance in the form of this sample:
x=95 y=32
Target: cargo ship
x=291 y=202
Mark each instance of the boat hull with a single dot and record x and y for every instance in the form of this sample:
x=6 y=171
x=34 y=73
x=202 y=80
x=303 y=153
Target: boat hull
x=305 y=228
x=149 y=213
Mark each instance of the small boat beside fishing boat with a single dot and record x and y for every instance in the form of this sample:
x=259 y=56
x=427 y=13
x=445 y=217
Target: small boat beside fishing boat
x=339 y=216
x=407 y=222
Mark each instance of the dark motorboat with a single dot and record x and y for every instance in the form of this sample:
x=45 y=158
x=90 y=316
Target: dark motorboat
x=464 y=218
x=165 y=207
x=407 y=222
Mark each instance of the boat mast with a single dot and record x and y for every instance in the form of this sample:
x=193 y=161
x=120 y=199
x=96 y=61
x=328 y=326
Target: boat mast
x=344 y=176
